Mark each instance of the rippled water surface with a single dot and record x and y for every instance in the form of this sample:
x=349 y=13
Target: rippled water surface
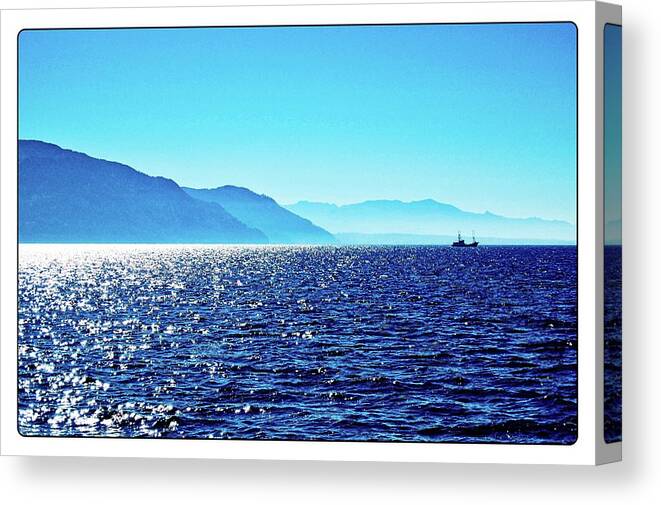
x=613 y=343
x=323 y=343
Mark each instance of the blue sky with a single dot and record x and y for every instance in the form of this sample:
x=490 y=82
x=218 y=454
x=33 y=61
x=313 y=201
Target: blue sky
x=480 y=116
x=613 y=124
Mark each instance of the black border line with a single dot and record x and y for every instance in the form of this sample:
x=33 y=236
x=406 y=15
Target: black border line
x=463 y=23
x=603 y=224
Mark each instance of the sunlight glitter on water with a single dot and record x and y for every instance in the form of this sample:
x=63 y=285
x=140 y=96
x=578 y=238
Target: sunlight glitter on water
x=282 y=342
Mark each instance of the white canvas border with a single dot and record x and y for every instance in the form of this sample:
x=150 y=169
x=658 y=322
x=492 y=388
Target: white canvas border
x=581 y=13
x=606 y=14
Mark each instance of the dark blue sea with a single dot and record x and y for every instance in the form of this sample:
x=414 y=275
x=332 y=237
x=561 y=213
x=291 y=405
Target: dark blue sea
x=613 y=343
x=380 y=343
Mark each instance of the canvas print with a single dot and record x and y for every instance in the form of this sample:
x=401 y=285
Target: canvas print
x=612 y=233
x=332 y=233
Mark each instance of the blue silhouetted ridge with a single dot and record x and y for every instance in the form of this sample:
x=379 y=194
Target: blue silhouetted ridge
x=262 y=212
x=67 y=196
x=369 y=221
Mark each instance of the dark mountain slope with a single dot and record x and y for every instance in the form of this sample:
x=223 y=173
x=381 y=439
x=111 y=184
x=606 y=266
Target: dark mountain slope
x=67 y=196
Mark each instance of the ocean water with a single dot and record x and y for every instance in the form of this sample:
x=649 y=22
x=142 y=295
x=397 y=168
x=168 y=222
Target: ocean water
x=370 y=343
x=613 y=343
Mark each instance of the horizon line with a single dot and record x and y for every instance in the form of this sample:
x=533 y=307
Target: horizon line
x=282 y=244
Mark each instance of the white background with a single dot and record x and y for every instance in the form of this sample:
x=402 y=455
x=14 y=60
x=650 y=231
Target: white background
x=636 y=480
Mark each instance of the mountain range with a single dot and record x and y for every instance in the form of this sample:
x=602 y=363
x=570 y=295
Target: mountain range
x=68 y=196
x=428 y=218
x=280 y=225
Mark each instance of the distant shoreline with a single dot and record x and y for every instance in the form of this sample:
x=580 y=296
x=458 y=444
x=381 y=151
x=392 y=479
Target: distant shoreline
x=228 y=244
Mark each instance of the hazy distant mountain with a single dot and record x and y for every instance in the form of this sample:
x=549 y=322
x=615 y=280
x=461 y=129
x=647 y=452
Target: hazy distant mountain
x=613 y=232
x=264 y=213
x=429 y=217
x=411 y=239
x=66 y=196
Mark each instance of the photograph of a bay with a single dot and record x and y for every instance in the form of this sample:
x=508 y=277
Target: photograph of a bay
x=612 y=233
x=334 y=233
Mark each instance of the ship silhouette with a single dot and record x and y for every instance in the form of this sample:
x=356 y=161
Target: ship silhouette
x=462 y=243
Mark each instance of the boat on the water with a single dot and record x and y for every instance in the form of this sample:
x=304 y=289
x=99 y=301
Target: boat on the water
x=462 y=243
